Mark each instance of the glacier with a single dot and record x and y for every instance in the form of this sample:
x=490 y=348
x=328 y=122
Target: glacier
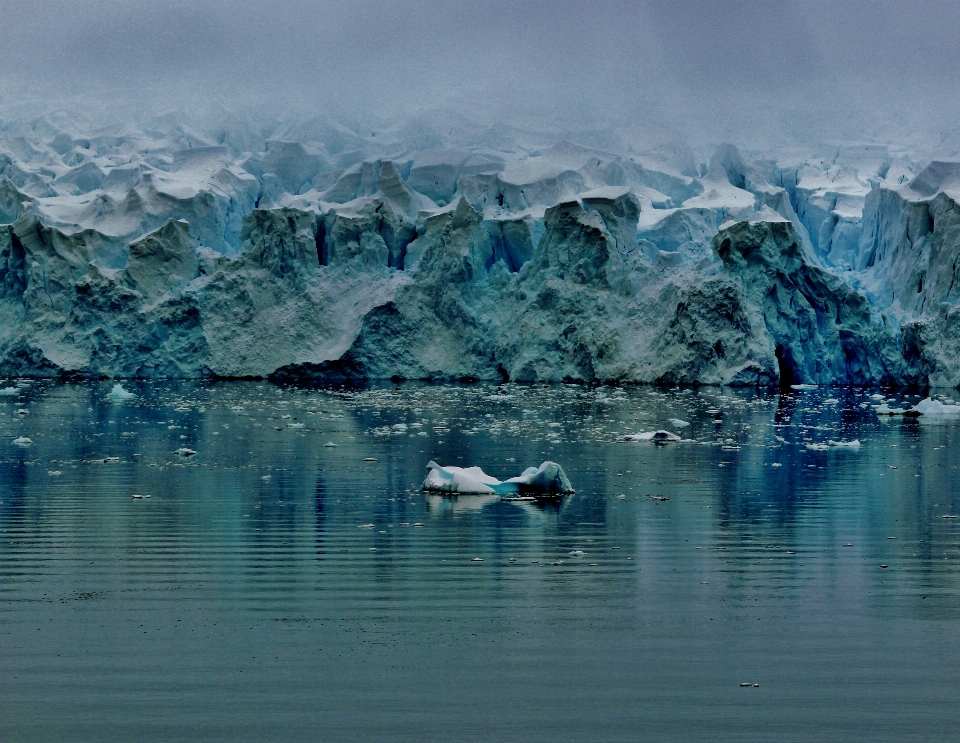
x=311 y=250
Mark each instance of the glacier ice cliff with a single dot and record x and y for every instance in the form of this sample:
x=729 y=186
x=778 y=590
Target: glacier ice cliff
x=315 y=252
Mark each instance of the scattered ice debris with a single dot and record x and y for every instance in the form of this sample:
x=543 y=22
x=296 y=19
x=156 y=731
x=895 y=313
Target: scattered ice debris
x=677 y=423
x=22 y=441
x=876 y=397
x=803 y=386
x=855 y=444
x=8 y=391
x=118 y=393
x=185 y=452
x=547 y=479
x=657 y=436
x=654 y=497
x=831 y=401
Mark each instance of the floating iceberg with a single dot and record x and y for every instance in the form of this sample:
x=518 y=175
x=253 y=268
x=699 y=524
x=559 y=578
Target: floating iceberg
x=855 y=444
x=8 y=391
x=930 y=408
x=657 y=436
x=887 y=410
x=22 y=441
x=118 y=393
x=547 y=479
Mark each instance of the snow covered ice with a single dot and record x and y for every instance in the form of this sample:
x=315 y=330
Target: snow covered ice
x=304 y=250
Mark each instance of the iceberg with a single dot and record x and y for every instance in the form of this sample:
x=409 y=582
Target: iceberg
x=655 y=436
x=547 y=479
x=930 y=408
x=118 y=393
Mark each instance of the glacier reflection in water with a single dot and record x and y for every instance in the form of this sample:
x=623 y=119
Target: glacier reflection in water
x=249 y=597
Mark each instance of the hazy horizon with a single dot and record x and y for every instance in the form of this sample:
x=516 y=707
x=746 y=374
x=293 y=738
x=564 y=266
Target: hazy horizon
x=698 y=71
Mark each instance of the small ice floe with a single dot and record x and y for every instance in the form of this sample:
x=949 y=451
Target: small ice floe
x=294 y=425
x=855 y=444
x=8 y=391
x=885 y=409
x=367 y=526
x=54 y=473
x=184 y=452
x=660 y=498
x=677 y=423
x=118 y=393
x=655 y=436
x=22 y=441
x=776 y=464
x=803 y=386
x=22 y=411
x=369 y=459
x=108 y=460
x=136 y=496
x=818 y=447
x=331 y=444
x=576 y=553
x=547 y=479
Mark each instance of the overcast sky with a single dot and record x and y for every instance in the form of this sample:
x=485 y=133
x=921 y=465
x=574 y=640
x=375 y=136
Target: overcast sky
x=684 y=63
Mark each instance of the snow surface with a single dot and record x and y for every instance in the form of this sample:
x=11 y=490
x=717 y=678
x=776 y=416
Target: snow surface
x=310 y=249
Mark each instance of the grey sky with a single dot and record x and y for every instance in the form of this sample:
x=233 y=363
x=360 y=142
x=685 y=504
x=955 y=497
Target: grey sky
x=686 y=63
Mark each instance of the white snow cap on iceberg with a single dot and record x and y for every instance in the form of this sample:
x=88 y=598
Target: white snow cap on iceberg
x=548 y=478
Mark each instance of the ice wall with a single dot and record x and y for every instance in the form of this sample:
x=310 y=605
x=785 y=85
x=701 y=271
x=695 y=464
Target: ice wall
x=317 y=251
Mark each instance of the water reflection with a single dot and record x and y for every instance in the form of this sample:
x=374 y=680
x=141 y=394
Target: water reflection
x=302 y=508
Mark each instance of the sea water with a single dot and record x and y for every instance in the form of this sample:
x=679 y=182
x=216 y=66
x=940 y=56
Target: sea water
x=290 y=581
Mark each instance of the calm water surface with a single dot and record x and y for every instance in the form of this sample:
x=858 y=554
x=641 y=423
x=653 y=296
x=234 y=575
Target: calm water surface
x=249 y=599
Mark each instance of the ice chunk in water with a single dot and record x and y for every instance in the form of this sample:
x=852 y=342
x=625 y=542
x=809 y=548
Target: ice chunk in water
x=677 y=423
x=855 y=444
x=118 y=393
x=933 y=409
x=8 y=391
x=548 y=478
x=22 y=441
x=660 y=436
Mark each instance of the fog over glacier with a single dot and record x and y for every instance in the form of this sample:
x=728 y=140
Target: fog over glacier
x=690 y=192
